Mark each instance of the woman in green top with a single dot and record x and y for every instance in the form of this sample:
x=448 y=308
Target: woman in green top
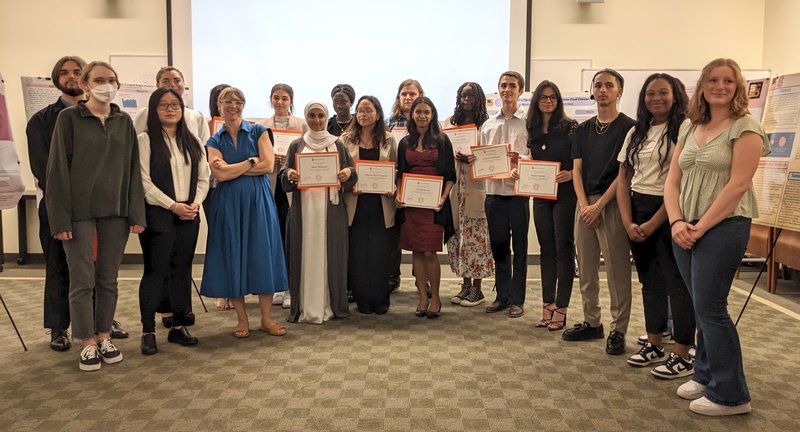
x=710 y=203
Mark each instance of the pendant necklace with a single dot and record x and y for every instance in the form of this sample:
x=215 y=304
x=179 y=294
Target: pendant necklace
x=343 y=126
x=601 y=127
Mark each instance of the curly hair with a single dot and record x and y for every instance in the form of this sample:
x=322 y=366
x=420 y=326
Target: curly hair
x=699 y=110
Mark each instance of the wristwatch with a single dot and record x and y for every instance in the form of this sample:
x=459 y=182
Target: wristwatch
x=252 y=162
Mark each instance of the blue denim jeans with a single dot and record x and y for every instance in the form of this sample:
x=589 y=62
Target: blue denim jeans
x=708 y=270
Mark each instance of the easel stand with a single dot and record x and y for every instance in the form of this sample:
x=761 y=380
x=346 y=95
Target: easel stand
x=760 y=272
x=13 y=323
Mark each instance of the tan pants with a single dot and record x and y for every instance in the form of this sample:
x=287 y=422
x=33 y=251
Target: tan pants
x=611 y=239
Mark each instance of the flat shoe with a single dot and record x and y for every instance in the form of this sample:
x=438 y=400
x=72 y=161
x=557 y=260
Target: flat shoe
x=275 y=329
x=241 y=332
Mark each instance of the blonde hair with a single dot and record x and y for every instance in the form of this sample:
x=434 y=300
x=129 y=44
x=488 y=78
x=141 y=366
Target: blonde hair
x=231 y=92
x=397 y=112
x=700 y=112
x=88 y=69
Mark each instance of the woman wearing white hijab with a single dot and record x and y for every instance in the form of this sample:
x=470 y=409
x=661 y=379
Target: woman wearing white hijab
x=316 y=237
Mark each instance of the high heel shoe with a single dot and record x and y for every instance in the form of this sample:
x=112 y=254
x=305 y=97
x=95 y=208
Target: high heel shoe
x=432 y=314
x=422 y=313
x=558 y=320
x=547 y=315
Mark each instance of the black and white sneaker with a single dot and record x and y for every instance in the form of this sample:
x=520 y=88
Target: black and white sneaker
x=675 y=367
x=458 y=298
x=473 y=298
x=109 y=352
x=90 y=358
x=649 y=354
x=666 y=338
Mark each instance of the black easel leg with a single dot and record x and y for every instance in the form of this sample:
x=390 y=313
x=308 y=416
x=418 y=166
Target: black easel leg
x=199 y=296
x=13 y=323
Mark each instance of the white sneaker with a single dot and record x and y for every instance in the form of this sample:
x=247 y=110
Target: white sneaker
x=649 y=354
x=675 y=367
x=287 y=300
x=90 y=358
x=277 y=298
x=706 y=407
x=109 y=352
x=691 y=390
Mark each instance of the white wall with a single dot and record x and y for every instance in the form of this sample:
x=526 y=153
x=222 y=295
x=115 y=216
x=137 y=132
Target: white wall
x=34 y=34
x=670 y=34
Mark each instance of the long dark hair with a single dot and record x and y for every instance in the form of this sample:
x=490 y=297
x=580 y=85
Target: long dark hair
x=433 y=136
x=187 y=143
x=459 y=114
x=676 y=116
x=213 y=99
x=558 y=120
x=378 y=131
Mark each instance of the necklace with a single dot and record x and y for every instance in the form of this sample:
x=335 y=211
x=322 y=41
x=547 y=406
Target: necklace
x=601 y=127
x=342 y=126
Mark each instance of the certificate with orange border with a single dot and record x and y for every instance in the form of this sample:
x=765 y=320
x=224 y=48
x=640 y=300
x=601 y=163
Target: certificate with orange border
x=282 y=139
x=537 y=179
x=317 y=169
x=375 y=177
x=463 y=138
x=491 y=162
x=216 y=124
x=421 y=191
x=398 y=133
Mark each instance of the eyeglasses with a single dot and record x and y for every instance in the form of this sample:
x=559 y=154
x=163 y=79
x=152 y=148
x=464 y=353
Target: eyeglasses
x=169 y=106
x=365 y=112
x=546 y=98
x=228 y=103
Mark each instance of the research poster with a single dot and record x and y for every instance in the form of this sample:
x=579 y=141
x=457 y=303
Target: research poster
x=11 y=185
x=39 y=92
x=777 y=179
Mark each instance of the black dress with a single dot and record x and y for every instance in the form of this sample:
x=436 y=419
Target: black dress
x=370 y=249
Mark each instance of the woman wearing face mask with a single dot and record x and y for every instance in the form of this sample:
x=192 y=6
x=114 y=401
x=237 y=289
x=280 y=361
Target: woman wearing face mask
x=91 y=189
x=281 y=97
x=317 y=230
x=371 y=216
x=426 y=150
x=644 y=163
x=244 y=255
x=342 y=96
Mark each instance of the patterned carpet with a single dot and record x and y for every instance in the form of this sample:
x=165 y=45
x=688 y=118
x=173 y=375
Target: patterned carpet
x=467 y=370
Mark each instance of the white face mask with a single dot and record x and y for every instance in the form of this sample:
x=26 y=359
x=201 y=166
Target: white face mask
x=104 y=92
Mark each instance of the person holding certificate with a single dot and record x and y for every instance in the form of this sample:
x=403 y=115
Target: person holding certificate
x=175 y=176
x=644 y=164
x=281 y=97
x=710 y=204
x=427 y=151
x=550 y=135
x=316 y=236
x=342 y=96
x=244 y=254
x=470 y=254
x=371 y=216
x=508 y=215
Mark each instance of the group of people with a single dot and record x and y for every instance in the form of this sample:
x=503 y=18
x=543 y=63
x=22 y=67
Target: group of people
x=672 y=187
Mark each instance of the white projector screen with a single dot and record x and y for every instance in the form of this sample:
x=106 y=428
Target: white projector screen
x=372 y=45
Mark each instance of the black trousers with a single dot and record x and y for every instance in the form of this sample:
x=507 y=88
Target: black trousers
x=168 y=272
x=555 y=228
x=56 y=282
x=508 y=218
x=658 y=272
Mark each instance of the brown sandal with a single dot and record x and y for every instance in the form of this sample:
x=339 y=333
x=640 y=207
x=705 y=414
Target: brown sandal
x=275 y=329
x=241 y=332
x=547 y=315
x=558 y=320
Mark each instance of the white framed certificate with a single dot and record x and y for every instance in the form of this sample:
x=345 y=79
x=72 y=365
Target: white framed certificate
x=421 y=191
x=463 y=138
x=317 y=169
x=399 y=133
x=491 y=162
x=376 y=177
x=282 y=140
x=537 y=179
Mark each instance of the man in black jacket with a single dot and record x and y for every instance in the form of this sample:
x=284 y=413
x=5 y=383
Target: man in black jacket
x=66 y=74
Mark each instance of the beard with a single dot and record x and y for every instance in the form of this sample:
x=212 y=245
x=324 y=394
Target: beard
x=71 y=91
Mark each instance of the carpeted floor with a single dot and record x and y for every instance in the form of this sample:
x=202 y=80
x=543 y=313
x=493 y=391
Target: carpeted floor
x=467 y=370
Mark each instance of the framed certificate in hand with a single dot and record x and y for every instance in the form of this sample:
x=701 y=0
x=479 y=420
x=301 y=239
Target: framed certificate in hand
x=376 y=177
x=317 y=169
x=491 y=162
x=421 y=191
x=537 y=179
x=282 y=140
x=398 y=133
x=463 y=138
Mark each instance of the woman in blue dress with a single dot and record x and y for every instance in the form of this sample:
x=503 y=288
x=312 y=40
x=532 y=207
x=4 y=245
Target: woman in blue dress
x=244 y=254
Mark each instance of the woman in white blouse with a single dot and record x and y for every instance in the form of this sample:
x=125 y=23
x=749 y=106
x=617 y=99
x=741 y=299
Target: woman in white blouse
x=175 y=177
